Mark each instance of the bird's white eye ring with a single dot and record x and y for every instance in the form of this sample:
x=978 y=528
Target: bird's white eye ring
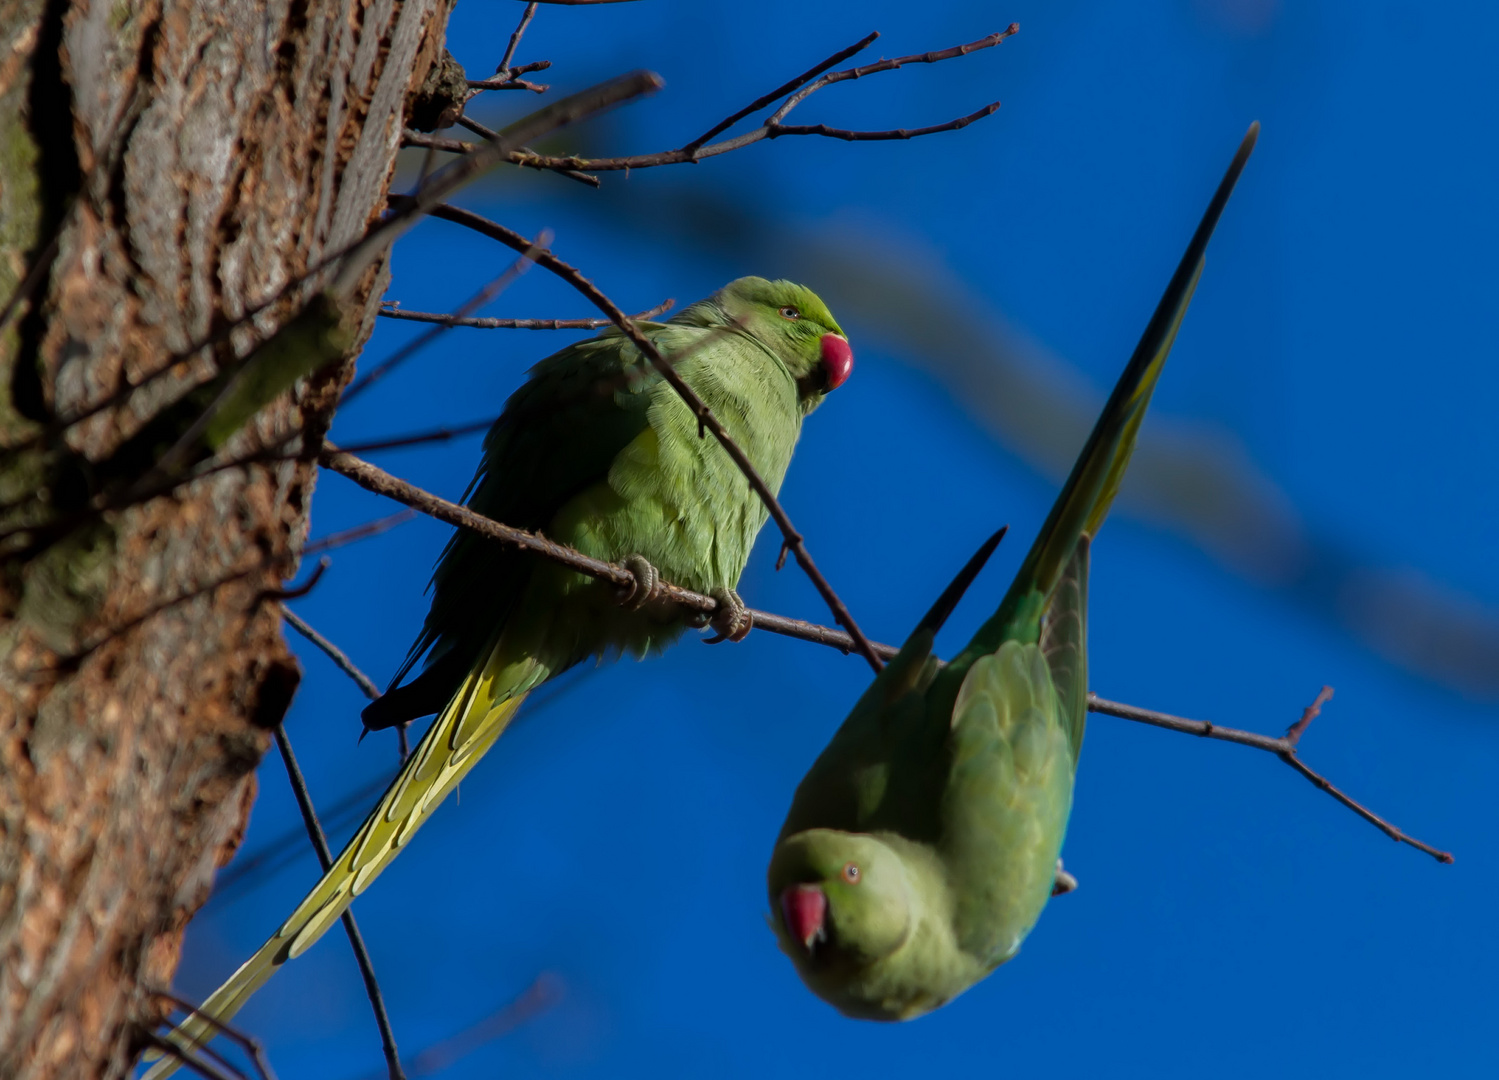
x=851 y=874
x=789 y=312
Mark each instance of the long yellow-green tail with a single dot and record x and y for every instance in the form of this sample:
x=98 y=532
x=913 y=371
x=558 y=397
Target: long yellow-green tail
x=462 y=733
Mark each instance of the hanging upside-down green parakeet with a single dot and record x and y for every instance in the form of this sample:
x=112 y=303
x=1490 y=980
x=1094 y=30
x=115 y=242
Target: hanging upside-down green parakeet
x=596 y=451
x=924 y=842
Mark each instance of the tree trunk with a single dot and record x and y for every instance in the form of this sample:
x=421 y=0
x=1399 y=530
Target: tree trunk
x=165 y=166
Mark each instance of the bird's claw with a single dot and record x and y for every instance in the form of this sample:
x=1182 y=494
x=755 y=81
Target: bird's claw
x=647 y=581
x=1064 y=883
x=731 y=619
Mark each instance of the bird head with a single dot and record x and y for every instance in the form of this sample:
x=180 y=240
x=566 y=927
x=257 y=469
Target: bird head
x=794 y=323
x=840 y=902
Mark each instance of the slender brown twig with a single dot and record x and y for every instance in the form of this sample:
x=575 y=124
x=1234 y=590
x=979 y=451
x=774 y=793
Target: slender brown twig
x=503 y=71
x=1283 y=748
x=376 y=480
x=699 y=148
x=333 y=652
x=356 y=939
x=299 y=591
x=848 y=74
x=191 y=1061
x=388 y=310
x=250 y=868
x=543 y=994
x=488 y=293
x=359 y=532
x=343 y=663
x=251 y=1046
x=383 y=483
x=705 y=418
x=444 y=434
x=773 y=127
x=492 y=136
x=781 y=91
x=479 y=85
x=422 y=140
x=880 y=136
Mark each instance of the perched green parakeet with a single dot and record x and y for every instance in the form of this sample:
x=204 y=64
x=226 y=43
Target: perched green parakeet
x=596 y=451
x=923 y=844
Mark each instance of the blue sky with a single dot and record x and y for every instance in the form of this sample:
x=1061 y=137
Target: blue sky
x=1231 y=919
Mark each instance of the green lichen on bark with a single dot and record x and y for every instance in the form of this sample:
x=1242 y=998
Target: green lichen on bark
x=20 y=225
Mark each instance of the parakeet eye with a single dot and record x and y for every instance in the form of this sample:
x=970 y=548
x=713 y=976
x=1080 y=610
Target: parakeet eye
x=851 y=874
x=789 y=312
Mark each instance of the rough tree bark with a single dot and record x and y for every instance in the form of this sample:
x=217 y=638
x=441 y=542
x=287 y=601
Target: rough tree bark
x=189 y=158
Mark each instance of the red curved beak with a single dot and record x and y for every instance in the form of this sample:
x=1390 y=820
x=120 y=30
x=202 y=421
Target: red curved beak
x=804 y=907
x=837 y=358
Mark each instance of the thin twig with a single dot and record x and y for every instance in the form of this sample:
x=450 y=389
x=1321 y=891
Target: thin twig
x=503 y=70
x=250 y=868
x=358 y=532
x=423 y=140
x=493 y=136
x=880 y=136
x=455 y=174
x=700 y=411
x=388 y=311
x=190 y=1061
x=299 y=591
x=1283 y=748
x=333 y=652
x=773 y=128
x=383 y=483
x=502 y=282
x=376 y=480
x=325 y=857
x=249 y=1045
x=479 y=85
x=781 y=91
x=396 y=442
x=544 y=993
x=1310 y=713
x=848 y=74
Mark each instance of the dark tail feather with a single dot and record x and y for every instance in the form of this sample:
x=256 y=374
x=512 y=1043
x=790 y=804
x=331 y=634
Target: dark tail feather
x=950 y=597
x=422 y=696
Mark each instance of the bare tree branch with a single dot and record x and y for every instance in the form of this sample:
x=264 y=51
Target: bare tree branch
x=485 y=295
x=1283 y=748
x=333 y=652
x=192 y=1061
x=878 y=136
x=436 y=435
x=781 y=91
x=251 y=1046
x=395 y=312
x=504 y=72
x=772 y=128
x=543 y=994
x=382 y=483
x=359 y=532
x=356 y=940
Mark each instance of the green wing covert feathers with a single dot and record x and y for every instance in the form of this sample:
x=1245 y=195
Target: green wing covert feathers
x=597 y=451
x=922 y=845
